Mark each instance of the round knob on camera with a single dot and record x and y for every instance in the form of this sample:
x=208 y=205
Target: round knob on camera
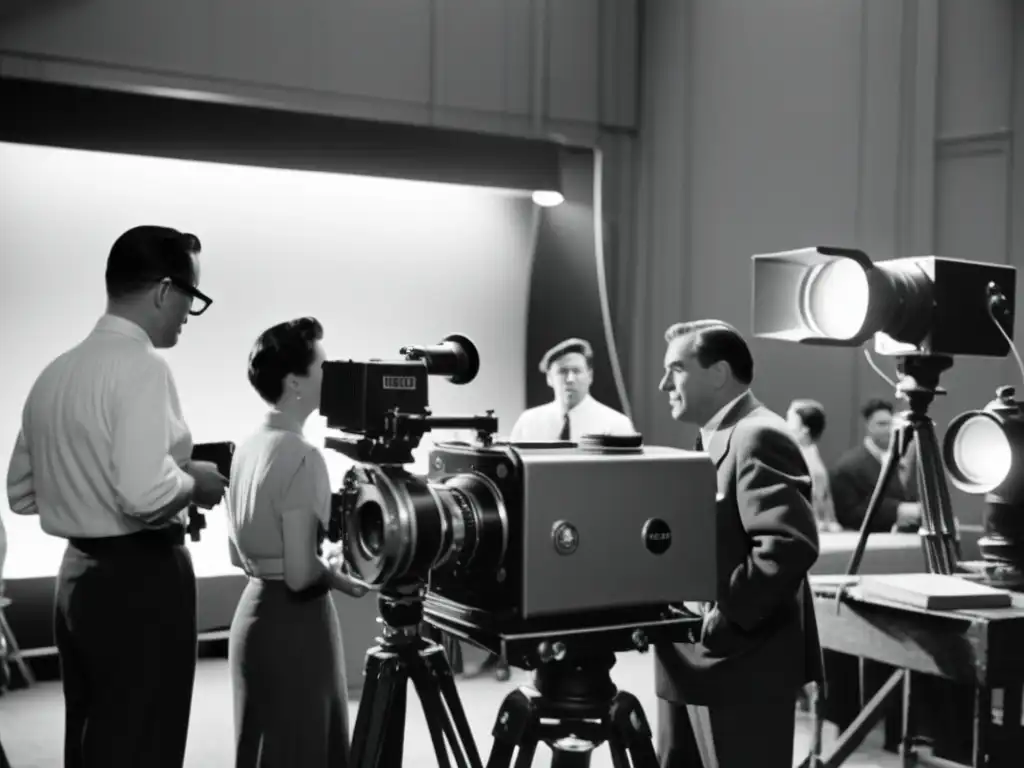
x=640 y=641
x=550 y=651
x=545 y=651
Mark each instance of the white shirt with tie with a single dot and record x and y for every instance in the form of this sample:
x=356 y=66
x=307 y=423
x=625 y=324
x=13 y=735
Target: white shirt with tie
x=103 y=438
x=589 y=417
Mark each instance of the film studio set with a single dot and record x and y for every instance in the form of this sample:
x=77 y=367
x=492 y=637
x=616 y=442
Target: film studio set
x=515 y=562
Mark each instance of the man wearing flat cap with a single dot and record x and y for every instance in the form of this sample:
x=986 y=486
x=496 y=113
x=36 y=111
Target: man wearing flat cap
x=569 y=367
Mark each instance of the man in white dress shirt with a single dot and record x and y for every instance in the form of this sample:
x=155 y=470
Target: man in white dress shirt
x=569 y=368
x=103 y=459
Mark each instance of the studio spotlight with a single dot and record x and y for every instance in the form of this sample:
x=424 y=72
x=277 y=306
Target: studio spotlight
x=984 y=453
x=923 y=310
x=926 y=305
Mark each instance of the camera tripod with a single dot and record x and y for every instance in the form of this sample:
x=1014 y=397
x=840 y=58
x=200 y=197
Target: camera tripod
x=573 y=706
x=403 y=654
x=920 y=383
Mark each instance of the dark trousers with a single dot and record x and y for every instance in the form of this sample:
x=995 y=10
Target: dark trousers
x=745 y=734
x=3 y=758
x=125 y=627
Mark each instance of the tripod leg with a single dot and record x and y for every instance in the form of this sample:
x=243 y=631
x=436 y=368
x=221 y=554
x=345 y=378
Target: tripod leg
x=929 y=518
x=935 y=496
x=897 y=447
x=517 y=725
x=445 y=677
x=381 y=717
x=427 y=668
x=365 y=721
x=630 y=733
x=434 y=713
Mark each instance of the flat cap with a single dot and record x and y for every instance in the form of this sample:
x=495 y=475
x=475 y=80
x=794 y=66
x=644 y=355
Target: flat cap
x=564 y=348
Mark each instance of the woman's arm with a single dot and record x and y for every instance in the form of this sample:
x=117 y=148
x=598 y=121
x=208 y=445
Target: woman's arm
x=304 y=503
x=236 y=559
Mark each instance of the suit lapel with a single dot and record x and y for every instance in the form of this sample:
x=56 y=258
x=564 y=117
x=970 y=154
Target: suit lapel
x=718 y=444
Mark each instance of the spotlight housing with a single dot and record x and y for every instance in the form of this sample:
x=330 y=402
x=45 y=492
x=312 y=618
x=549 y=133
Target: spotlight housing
x=984 y=453
x=984 y=449
x=926 y=305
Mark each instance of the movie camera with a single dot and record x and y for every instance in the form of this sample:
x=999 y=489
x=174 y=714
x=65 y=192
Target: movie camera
x=220 y=454
x=553 y=555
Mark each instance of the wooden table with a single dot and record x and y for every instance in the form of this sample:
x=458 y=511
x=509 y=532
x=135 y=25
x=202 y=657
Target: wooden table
x=980 y=648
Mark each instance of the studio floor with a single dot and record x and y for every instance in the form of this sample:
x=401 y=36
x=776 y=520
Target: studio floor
x=31 y=721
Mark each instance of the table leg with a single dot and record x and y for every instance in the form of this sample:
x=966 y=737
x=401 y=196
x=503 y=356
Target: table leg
x=908 y=753
x=982 y=726
x=861 y=726
x=817 y=707
x=1011 y=733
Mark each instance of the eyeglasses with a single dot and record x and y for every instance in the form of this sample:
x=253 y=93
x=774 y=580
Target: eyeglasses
x=198 y=298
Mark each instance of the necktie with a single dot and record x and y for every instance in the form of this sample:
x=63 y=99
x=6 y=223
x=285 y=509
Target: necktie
x=564 y=434
x=699 y=443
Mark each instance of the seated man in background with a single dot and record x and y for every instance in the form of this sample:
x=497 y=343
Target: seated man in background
x=806 y=419
x=569 y=368
x=855 y=476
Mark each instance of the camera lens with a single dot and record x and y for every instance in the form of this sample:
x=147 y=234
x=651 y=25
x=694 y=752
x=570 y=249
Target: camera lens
x=400 y=526
x=473 y=507
x=371 y=528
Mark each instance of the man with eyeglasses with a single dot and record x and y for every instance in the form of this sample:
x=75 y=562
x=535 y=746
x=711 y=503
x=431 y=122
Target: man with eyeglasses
x=103 y=458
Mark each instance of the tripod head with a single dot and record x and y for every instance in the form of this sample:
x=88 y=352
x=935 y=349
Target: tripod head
x=919 y=380
x=401 y=612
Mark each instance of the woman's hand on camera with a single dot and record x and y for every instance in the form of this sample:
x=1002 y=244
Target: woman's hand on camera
x=343 y=581
x=351 y=587
x=333 y=551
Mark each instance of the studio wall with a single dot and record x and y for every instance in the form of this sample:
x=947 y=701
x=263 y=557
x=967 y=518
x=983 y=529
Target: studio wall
x=886 y=125
x=520 y=67
x=381 y=263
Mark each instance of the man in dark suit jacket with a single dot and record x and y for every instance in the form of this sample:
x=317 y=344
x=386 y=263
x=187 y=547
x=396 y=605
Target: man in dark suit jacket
x=731 y=697
x=854 y=478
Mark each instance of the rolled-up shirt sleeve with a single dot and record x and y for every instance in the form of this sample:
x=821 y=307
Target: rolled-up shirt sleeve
x=145 y=476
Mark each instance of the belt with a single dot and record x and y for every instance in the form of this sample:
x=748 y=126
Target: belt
x=278 y=585
x=263 y=567
x=157 y=538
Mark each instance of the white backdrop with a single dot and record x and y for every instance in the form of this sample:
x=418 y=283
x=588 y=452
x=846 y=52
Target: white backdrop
x=381 y=263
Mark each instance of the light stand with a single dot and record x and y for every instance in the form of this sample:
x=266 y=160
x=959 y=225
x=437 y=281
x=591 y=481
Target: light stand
x=403 y=654
x=920 y=383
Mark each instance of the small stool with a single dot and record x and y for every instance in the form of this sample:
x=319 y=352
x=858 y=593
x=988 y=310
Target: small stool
x=13 y=653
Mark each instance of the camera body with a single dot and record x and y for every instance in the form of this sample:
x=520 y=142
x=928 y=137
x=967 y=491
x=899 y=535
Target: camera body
x=357 y=396
x=221 y=454
x=525 y=532
x=585 y=530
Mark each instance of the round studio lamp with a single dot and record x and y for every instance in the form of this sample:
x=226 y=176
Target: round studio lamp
x=984 y=454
